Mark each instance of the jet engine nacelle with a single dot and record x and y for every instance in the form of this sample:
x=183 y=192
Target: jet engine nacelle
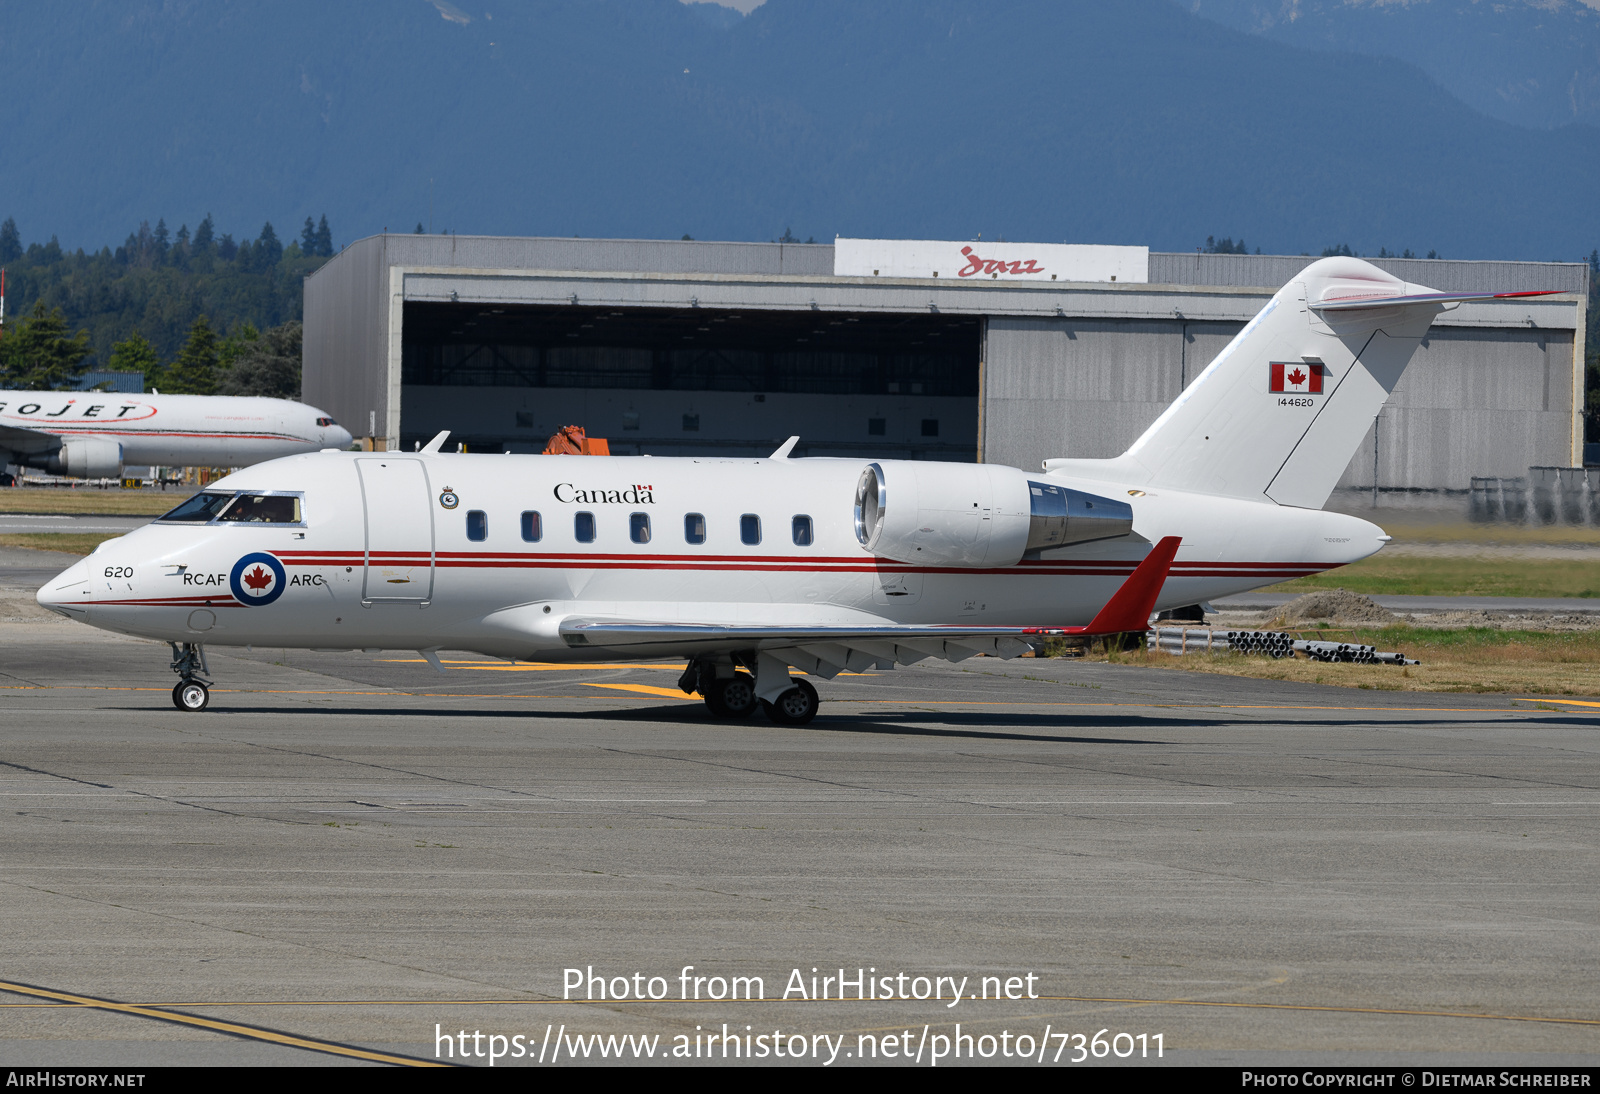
x=86 y=458
x=978 y=515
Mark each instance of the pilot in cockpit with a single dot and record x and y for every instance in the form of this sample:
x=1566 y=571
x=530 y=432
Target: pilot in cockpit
x=264 y=509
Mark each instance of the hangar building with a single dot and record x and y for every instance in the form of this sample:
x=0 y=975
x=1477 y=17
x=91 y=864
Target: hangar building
x=680 y=348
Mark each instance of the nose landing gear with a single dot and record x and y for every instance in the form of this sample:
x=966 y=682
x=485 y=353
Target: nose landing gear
x=193 y=692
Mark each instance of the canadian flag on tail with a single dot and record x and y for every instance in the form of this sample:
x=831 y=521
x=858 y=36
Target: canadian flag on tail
x=1296 y=378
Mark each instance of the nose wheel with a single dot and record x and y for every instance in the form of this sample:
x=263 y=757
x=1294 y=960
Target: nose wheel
x=193 y=693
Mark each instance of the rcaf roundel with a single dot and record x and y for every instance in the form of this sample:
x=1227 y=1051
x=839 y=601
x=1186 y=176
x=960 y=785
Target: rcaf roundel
x=1296 y=378
x=257 y=579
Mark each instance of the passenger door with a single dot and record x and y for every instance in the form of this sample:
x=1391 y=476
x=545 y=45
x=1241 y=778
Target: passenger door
x=396 y=497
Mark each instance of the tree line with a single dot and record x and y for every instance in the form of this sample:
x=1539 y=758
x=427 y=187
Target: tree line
x=197 y=313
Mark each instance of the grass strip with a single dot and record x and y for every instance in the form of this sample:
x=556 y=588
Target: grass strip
x=72 y=543
x=1401 y=575
x=1506 y=534
x=1467 y=659
x=91 y=500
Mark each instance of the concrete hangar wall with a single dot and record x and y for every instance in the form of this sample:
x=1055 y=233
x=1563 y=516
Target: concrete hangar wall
x=677 y=348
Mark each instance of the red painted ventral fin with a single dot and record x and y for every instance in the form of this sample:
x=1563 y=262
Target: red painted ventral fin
x=1129 y=609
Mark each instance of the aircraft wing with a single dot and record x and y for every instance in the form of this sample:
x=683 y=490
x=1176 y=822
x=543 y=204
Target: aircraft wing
x=822 y=651
x=13 y=439
x=828 y=650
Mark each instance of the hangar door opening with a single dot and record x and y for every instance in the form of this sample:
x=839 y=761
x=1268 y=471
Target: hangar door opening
x=692 y=381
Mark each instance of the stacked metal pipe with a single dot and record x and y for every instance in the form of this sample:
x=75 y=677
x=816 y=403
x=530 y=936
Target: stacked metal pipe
x=1181 y=640
x=1346 y=652
x=1350 y=652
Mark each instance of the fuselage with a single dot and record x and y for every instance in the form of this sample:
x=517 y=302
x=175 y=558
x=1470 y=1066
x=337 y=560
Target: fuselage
x=490 y=552
x=166 y=430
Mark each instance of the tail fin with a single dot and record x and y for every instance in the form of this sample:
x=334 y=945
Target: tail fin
x=1280 y=412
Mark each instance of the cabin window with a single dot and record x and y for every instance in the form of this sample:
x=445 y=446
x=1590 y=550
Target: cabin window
x=532 y=529
x=263 y=509
x=477 y=525
x=802 y=531
x=750 y=529
x=639 y=527
x=198 y=509
x=694 y=528
x=583 y=527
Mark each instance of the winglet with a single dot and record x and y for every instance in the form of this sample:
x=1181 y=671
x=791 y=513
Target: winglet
x=1129 y=609
x=437 y=443
x=784 y=449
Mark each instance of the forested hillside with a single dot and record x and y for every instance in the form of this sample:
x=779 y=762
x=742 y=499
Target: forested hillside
x=158 y=282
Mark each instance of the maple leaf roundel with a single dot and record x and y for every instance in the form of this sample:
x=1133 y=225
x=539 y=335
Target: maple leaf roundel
x=257 y=579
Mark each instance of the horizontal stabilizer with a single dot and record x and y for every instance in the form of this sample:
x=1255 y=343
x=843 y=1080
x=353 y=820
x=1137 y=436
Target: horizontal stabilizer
x=1336 y=301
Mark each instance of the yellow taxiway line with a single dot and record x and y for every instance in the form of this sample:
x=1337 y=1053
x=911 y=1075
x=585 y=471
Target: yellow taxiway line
x=646 y=689
x=235 y=1029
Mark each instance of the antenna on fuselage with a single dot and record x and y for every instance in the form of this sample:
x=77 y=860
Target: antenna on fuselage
x=784 y=449
x=437 y=444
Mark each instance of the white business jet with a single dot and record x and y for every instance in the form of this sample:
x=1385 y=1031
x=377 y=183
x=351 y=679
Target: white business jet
x=93 y=434
x=747 y=568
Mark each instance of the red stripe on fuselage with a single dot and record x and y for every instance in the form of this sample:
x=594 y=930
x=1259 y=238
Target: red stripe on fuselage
x=825 y=564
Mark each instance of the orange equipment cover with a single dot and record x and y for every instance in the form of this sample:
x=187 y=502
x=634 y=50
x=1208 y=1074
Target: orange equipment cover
x=571 y=441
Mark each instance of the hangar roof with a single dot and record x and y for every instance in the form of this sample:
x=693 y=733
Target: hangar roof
x=816 y=260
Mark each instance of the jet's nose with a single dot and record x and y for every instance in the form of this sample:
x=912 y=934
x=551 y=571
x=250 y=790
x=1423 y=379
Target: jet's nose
x=337 y=437
x=63 y=591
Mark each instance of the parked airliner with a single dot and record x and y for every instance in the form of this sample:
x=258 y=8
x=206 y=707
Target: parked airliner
x=748 y=567
x=92 y=434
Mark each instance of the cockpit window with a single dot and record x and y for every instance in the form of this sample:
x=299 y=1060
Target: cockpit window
x=264 y=509
x=199 y=509
x=326 y=422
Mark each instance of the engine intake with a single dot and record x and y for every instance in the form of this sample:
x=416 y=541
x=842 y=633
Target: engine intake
x=974 y=515
x=86 y=458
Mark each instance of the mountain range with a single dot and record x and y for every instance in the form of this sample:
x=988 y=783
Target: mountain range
x=1529 y=62
x=1138 y=122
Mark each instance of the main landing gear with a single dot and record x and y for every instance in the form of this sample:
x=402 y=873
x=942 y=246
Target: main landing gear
x=795 y=707
x=731 y=693
x=193 y=691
